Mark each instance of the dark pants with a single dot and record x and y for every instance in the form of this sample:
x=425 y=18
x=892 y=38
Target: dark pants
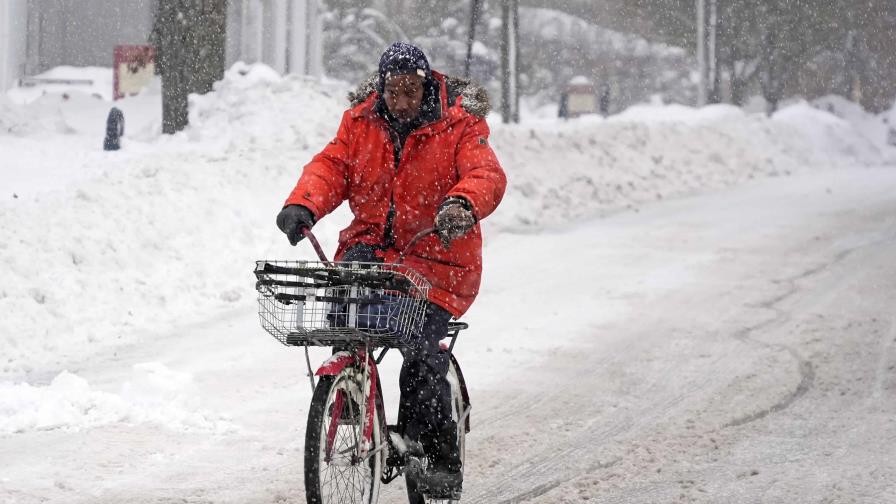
x=425 y=405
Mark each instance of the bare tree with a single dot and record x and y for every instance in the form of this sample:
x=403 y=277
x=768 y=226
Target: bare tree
x=475 y=12
x=189 y=36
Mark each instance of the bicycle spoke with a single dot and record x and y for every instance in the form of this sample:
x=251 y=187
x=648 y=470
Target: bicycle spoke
x=345 y=478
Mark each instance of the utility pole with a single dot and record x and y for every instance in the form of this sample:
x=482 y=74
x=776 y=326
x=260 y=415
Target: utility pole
x=509 y=60
x=516 y=61
x=701 y=52
x=474 y=20
x=713 y=54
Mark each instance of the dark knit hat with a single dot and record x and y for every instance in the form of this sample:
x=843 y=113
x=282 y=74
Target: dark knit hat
x=400 y=59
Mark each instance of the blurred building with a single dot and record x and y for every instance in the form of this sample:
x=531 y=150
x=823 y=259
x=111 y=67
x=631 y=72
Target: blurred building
x=37 y=35
x=284 y=34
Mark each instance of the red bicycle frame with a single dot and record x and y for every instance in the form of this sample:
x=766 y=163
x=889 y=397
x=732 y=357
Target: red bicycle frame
x=336 y=365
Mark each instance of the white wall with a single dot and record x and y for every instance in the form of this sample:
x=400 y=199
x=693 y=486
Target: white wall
x=13 y=38
x=279 y=24
x=5 y=37
x=284 y=34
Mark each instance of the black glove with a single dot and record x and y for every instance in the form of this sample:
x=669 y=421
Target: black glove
x=292 y=219
x=454 y=219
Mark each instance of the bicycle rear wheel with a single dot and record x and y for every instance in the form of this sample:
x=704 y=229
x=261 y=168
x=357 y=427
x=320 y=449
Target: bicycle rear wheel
x=458 y=408
x=335 y=470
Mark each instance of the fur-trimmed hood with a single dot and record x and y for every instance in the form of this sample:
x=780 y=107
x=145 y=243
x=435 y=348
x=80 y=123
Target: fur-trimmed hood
x=475 y=97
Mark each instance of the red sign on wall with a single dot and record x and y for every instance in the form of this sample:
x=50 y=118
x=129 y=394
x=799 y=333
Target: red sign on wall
x=134 y=68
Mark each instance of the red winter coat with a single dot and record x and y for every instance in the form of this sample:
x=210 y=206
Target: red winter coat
x=448 y=157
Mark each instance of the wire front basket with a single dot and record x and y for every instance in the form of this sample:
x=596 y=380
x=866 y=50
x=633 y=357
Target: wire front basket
x=311 y=303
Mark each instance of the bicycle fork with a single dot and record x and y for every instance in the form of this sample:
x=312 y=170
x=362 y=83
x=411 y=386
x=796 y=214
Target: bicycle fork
x=352 y=364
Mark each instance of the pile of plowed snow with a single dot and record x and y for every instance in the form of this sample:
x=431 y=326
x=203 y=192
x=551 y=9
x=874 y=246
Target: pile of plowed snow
x=106 y=248
x=116 y=247
x=562 y=171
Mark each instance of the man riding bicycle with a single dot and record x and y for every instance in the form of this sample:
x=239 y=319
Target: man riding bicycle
x=412 y=153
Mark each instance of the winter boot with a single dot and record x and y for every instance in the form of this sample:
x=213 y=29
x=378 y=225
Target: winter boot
x=444 y=475
x=402 y=449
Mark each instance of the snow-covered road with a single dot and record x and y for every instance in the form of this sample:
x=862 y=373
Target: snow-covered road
x=737 y=347
x=755 y=360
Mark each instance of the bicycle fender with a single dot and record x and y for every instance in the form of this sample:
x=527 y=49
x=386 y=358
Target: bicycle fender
x=463 y=389
x=335 y=364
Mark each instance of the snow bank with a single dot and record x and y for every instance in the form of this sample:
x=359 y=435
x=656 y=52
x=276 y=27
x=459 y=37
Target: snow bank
x=116 y=248
x=256 y=108
x=563 y=171
x=95 y=81
x=39 y=119
x=874 y=127
x=13 y=120
x=110 y=247
x=155 y=394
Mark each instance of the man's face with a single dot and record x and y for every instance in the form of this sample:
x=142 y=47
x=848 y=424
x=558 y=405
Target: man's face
x=403 y=95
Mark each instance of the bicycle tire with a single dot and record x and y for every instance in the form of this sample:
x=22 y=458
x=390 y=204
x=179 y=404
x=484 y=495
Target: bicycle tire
x=343 y=479
x=458 y=406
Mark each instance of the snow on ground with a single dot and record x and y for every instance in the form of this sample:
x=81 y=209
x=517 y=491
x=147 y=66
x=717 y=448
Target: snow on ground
x=156 y=394
x=703 y=350
x=103 y=251
x=91 y=81
x=877 y=128
x=569 y=170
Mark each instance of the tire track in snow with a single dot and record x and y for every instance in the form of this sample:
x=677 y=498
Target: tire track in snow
x=880 y=371
x=541 y=470
x=806 y=368
x=547 y=487
x=545 y=464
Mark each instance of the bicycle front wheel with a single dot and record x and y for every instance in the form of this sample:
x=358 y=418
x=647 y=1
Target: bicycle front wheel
x=337 y=468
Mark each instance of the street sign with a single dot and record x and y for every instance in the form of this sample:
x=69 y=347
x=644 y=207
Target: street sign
x=134 y=68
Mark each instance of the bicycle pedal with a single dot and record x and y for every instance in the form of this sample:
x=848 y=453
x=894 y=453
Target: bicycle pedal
x=395 y=460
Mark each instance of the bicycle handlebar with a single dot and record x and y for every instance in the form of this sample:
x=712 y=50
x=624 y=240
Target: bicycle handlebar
x=323 y=257
x=316 y=244
x=417 y=237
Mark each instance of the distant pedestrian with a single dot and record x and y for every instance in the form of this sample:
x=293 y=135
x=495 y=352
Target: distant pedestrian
x=563 y=109
x=603 y=103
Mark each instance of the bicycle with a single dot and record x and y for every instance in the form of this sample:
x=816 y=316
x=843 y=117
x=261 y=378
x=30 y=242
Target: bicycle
x=356 y=308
